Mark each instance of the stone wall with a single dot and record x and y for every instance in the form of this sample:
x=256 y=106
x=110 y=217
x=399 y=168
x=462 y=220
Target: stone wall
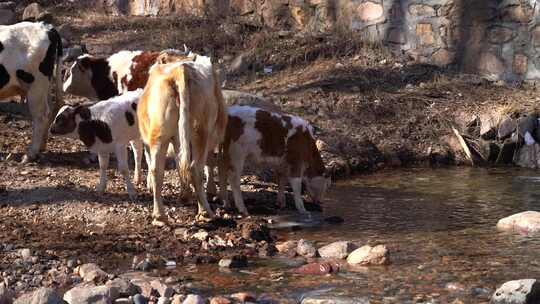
x=497 y=38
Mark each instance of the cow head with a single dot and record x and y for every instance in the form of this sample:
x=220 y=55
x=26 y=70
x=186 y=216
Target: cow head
x=316 y=187
x=68 y=118
x=78 y=78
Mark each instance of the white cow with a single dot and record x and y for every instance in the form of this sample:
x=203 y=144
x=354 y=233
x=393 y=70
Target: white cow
x=30 y=57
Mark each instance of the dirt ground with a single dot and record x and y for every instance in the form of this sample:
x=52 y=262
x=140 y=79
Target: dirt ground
x=371 y=109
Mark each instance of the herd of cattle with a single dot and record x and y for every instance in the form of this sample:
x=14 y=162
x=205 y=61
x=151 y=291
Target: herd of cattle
x=152 y=100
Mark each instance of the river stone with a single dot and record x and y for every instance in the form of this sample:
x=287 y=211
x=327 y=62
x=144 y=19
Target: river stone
x=367 y=255
x=337 y=250
x=125 y=287
x=41 y=296
x=91 y=294
x=318 y=268
x=6 y=295
x=236 y=261
x=288 y=248
x=525 y=291
x=91 y=272
x=306 y=249
x=334 y=300
x=193 y=299
x=525 y=222
x=139 y=299
x=220 y=300
x=123 y=301
x=162 y=289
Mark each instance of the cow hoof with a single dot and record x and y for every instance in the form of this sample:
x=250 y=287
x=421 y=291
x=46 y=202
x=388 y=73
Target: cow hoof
x=160 y=222
x=204 y=216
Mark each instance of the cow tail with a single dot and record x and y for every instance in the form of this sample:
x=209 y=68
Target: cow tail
x=59 y=93
x=222 y=117
x=184 y=126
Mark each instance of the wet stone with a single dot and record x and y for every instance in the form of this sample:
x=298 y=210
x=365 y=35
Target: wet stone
x=306 y=249
x=367 y=255
x=517 y=292
x=337 y=250
x=318 y=268
x=236 y=261
x=524 y=222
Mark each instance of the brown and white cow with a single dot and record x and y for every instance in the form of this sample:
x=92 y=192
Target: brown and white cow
x=30 y=57
x=182 y=104
x=284 y=142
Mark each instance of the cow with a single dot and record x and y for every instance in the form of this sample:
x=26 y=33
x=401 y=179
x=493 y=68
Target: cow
x=284 y=142
x=105 y=77
x=182 y=104
x=30 y=58
x=106 y=127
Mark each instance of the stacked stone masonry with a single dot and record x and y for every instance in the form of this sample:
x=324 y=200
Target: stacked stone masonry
x=497 y=38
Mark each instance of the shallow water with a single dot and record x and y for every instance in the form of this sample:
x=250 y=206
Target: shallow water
x=439 y=226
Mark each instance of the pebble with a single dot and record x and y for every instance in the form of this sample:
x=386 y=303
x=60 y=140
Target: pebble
x=193 y=299
x=306 y=249
x=139 y=299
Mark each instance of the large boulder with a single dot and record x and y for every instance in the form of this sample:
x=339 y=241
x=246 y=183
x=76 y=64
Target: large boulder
x=367 y=255
x=525 y=291
x=91 y=294
x=524 y=222
x=41 y=296
x=337 y=250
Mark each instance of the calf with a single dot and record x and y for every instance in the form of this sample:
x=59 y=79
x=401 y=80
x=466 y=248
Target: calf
x=30 y=57
x=106 y=77
x=182 y=103
x=282 y=141
x=105 y=127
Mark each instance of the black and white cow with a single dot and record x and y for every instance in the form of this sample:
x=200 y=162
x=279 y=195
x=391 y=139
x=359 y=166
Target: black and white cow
x=106 y=127
x=30 y=57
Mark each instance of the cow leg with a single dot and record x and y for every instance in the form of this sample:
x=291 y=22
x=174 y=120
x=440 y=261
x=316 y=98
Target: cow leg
x=103 y=158
x=282 y=180
x=222 y=172
x=234 y=180
x=157 y=170
x=137 y=147
x=184 y=188
x=296 y=184
x=202 y=202
x=209 y=172
x=123 y=168
x=40 y=113
x=149 y=179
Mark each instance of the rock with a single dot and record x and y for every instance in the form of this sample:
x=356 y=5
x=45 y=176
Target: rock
x=306 y=249
x=91 y=272
x=506 y=127
x=443 y=57
x=220 y=300
x=490 y=66
x=123 y=301
x=422 y=10
x=334 y=300
x=520 y=64
x=488 y=125
x=125 y=288
x=525 y=291
x=91 y=294
x=267 y=250
x=367 y=255
x=178 y=299
x=287 y=248
x=6 y=294
x=34 y=12
x=244 y=297
x=162 y=289
x=25 y=253
x=455 y=287
x=337 y=250
x=242 y=63
x=319 y=268
x=7 y=16
x=139 y=299
x=369 y=11
x=163 y=300
x=236 y=261
x=424 y=32
x=525 y=222
x=500 y=34
x=193 y=299
x=201 y=235
x=41 y=296
x=256 y=232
